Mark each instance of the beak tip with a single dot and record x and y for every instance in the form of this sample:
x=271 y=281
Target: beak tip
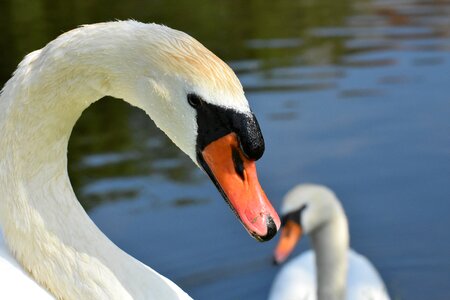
x=274 y=261
x=279 y=258
x=271 y=230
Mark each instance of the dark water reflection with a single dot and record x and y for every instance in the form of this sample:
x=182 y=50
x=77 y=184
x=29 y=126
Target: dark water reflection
x=118 y=152
x=352 y=94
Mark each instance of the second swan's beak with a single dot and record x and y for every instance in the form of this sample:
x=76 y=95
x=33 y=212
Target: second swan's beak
x=235 y=177
x=290 y=234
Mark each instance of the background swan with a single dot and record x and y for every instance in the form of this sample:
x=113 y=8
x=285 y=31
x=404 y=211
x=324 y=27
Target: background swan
x=190 y=94
x=331 y=270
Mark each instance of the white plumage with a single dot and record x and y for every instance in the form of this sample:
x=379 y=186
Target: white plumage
x=15 y=283
x=297 y=279
x=149 y=66
x=344 y=274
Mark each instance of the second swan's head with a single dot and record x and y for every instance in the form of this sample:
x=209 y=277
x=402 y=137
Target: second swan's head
x=305 y=209
x=198 y=101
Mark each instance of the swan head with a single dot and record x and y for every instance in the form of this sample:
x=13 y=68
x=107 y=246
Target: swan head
x=305 y=209
x=198 y=101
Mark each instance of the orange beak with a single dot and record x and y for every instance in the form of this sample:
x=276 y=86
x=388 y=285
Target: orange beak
x=290 y=235
x=235 y=177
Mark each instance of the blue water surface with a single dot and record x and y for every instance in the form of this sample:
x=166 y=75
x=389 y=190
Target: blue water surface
x=351 y=94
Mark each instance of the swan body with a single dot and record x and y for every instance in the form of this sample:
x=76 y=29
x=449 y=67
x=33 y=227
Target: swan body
x=15 y=282
x=341 y=272
x=297 y=279
x=188 y=92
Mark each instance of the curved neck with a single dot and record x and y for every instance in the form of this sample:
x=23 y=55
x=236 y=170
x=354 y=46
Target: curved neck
x=331 y=242
x=42 y=221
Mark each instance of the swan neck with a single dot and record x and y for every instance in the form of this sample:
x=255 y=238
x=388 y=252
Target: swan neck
x=330 y=243
x=42 y=221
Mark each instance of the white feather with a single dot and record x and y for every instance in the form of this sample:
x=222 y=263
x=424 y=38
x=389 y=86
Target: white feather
x=343 y=273
x=16 y=284
x=148 y=65
x=297 y=279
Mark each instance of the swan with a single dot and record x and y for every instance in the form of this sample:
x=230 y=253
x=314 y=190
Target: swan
x=331 y=271
x=52 y=245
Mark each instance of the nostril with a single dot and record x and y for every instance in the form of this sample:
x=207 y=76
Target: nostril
x=238 y=163
x=271 y=230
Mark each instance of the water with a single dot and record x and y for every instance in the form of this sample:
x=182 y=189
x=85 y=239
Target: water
x=351 y=94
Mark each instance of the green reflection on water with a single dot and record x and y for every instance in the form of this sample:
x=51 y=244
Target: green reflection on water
x=223 y=26
x=114 y=140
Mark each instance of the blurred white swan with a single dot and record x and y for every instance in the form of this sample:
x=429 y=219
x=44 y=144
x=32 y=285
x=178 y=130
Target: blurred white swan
x=331 y=271
x=46 y=237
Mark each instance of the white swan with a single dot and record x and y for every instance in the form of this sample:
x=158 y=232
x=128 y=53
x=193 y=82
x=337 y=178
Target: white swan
x=341 y=272
x=190 y=94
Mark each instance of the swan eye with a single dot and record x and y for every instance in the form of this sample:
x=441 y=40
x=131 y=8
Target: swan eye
x=194 y=100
